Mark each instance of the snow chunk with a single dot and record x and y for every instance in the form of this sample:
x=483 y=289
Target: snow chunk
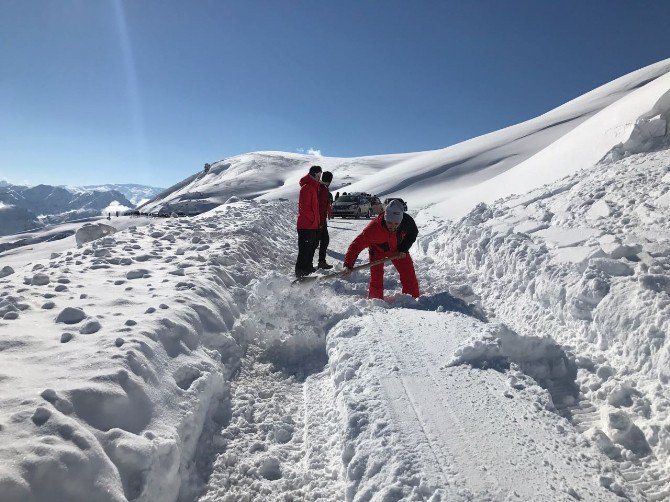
x=664 y=200
x=599 y=209
x=540 y=358
x=40 y=280
x=5 y=271
x=92 y=326
x=611 y=267
x=91 y=232
x=578 y=255
x=656 y=282
x=70 y=315
x=567 y=237
x=137 y=274
x=530 y=226
x=624 y=432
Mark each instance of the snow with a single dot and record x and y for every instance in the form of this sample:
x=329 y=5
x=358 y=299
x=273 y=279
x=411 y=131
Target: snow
x=136 y=194
x=172 y=359
x=91 y=232
x=607 y=300
x=625 y=115
x=141 y=387
x=29 y=208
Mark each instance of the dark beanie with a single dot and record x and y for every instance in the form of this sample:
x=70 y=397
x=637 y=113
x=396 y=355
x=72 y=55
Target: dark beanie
x=314 y=169
x=327 y=177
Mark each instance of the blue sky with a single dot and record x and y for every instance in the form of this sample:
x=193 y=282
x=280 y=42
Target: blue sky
x=146 y=91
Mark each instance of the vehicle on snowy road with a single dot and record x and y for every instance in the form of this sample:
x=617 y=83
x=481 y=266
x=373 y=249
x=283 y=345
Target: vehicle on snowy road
x=377 y=206
x=387 y=201
x=352 y=206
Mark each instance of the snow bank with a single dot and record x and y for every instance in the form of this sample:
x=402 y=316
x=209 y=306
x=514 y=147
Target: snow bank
x=111 y=403
x=539 y=358
x=597 y=285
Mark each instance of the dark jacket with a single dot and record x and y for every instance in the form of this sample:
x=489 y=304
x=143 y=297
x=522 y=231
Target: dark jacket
x=308 y=204
x=325 y=204
x=380 y=241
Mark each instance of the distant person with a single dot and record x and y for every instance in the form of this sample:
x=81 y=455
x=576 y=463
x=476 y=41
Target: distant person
x=391 y=233
x=325 y=212
x=308 y=221
x=337 y=195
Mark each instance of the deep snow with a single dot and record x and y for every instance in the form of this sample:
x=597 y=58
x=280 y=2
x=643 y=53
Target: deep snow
x=198 y=369
x=173 y=360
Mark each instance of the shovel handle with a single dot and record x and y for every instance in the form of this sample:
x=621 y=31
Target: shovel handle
x=308 y=279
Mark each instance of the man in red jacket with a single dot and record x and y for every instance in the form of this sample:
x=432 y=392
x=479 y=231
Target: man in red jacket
x=392 y=233
x=325 y=212
x=308 y=221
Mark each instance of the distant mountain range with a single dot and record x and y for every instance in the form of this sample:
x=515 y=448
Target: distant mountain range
x=26 y=208
x=136 y=194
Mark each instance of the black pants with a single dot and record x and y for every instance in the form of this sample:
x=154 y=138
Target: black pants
x=324 y=240
x=308 y=240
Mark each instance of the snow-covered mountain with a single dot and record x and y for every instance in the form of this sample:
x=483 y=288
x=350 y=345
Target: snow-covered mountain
x=136 y=194
x=453 y=180
x=173 y=359
x=27 y=208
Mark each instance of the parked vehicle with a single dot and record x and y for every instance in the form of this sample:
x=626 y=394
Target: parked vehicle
x=377 y=206
x=386 y=202
x=352 y=206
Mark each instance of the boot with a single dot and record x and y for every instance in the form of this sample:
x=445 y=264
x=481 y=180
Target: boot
x=324 y=265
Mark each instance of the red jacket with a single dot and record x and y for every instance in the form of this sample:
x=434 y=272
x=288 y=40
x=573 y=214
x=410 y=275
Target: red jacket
x=325 y=204
x=308 y=204
x=381 y=241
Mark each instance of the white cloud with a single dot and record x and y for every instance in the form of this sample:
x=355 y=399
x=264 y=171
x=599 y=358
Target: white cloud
x=310 y=151
x=114 y=207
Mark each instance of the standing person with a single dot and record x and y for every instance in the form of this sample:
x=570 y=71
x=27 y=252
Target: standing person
x=325 y=212
x=308 y=221
x=337 y=195
x=391 y=233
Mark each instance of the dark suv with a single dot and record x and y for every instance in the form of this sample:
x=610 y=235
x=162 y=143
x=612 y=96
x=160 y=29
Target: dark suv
x=404 y=204
x=353 y=206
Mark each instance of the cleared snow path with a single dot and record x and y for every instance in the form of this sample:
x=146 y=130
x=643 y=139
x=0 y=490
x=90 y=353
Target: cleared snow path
x=420 y=428
x=389 y=415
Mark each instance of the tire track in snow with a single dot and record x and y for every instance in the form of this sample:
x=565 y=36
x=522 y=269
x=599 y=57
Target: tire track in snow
x=453 y=432
x=444 y=436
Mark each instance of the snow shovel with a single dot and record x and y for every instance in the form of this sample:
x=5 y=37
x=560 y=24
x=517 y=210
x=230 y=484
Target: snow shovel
x=308 y=279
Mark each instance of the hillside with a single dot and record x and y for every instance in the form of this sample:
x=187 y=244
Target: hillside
x=454 y=179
